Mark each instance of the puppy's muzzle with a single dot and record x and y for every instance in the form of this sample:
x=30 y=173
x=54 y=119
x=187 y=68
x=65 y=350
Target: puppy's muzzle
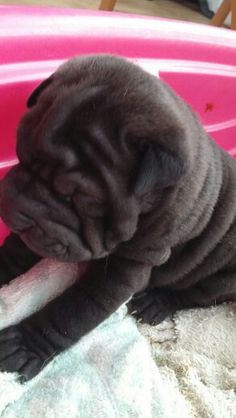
x=46 y=224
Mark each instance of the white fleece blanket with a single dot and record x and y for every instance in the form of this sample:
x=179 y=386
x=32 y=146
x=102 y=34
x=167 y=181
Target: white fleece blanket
x=183 y=368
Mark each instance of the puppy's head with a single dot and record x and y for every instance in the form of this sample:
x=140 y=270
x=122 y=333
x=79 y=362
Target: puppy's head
x=101 y=142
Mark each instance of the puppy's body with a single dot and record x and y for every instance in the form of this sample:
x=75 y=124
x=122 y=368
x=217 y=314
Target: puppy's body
x=115 y=168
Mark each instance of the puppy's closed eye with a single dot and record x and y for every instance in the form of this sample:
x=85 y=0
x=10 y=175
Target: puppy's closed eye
x=83 y=204
x=89 y=205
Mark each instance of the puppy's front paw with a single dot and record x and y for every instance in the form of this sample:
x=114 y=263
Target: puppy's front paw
x=15 y=356
x=153 y=305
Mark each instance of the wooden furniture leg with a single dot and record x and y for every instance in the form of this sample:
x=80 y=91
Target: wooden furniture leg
x=222 y=13
x=233 y=10
x=107 y=5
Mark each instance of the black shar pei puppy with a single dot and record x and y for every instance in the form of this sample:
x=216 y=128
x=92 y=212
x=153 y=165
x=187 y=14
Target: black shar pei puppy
x=114 y=168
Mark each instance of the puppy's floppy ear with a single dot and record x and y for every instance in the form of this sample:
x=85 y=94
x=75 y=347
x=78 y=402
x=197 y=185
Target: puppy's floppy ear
x=159 y=168
x=32 y=100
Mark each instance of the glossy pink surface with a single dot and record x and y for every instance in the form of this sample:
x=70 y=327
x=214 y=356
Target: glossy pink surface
x=198 y=62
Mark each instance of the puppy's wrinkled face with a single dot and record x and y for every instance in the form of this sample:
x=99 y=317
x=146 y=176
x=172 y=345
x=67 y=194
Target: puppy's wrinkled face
x=95 y=149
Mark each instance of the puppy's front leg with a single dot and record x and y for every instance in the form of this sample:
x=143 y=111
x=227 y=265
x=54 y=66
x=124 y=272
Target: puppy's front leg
x=15 y=258
x=154 y=305
x=29 y=346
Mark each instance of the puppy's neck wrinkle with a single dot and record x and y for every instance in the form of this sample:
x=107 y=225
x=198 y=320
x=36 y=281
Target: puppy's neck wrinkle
x=197 y=198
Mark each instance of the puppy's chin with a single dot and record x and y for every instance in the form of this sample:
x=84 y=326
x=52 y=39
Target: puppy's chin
x=54 y=248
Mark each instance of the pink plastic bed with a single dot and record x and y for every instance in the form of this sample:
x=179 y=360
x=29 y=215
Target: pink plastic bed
x=199 y=62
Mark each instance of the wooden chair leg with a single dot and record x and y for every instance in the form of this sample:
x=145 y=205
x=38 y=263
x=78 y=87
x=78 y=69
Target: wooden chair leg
x=222 y=13
x=233 y=10
x=107 y=5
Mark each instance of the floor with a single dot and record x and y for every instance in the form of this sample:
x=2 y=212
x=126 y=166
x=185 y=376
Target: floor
x=175 y=9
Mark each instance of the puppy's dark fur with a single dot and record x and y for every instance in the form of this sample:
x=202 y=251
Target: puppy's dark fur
x=115 y=168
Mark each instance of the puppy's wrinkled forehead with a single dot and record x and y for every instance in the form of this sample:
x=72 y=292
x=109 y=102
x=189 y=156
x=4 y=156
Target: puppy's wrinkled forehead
x=83 y=92
x=131 y=91
x=102 y=92
x=108 y=70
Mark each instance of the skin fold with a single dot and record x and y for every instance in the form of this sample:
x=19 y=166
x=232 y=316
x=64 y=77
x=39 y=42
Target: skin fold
x=114 y=169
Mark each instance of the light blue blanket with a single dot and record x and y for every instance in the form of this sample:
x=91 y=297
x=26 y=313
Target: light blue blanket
x=110 y=373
